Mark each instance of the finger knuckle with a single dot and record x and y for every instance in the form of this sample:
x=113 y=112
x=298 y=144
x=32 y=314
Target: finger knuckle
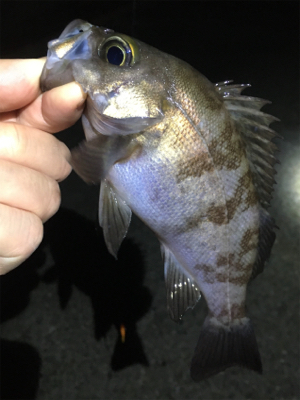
x=62 y=168
x=52 y=200
x=34 y=236
x=11 y=140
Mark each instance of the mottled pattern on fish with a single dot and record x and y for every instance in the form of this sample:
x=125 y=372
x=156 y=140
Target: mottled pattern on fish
x=203 y=167
x=193 y=160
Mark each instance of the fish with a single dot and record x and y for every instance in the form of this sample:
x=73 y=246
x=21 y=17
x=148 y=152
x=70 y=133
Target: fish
x=193 y=160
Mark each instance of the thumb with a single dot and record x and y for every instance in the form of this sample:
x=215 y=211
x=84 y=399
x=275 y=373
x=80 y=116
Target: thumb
x=56 y=109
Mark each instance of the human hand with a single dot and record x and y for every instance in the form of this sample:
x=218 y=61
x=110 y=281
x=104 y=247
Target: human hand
x=32 y=161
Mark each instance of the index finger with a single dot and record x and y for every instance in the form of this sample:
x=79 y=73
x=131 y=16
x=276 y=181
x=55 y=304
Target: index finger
x=19 y=82
x=54 y=110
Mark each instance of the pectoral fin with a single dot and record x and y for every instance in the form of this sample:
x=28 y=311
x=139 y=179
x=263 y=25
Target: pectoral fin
x=92 y=159
x=114 y=217
x=182 y=290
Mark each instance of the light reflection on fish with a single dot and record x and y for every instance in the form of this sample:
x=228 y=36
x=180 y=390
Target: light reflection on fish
x=193 y=160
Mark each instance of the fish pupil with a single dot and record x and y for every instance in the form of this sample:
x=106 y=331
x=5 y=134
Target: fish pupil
x=115 y=55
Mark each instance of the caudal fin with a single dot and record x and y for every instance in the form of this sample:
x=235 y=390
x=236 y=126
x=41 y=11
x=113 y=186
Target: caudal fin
x=220 y=347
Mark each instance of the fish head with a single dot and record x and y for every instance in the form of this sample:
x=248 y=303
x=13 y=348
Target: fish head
x=124 y=78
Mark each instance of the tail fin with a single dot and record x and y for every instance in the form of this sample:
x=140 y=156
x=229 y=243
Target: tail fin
x=220 y=347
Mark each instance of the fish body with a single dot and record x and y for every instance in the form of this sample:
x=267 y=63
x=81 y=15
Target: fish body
x=192 y=159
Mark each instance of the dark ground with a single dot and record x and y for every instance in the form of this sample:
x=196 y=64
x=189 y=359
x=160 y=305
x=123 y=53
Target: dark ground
x=61 y=310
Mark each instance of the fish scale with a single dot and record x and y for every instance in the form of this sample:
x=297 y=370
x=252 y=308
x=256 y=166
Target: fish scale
x=229 y=181
x=191 y=159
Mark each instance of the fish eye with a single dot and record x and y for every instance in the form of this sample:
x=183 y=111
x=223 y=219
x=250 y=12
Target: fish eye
x=116 y=55
x=118 y=51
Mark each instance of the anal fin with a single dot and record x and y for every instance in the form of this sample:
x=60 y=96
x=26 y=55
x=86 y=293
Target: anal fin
x=114 y=217
x=182 y=290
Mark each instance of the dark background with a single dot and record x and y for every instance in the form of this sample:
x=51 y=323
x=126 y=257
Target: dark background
x=61 y=310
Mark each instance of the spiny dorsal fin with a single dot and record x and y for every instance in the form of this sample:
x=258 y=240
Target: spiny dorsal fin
x=182 y=290
x=254 y=128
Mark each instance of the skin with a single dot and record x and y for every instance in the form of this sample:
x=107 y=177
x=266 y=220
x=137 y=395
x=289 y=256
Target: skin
x=32 y=160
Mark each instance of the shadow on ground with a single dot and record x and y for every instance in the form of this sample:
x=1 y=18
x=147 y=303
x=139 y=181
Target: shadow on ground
x=115 y=288
x=20 y=363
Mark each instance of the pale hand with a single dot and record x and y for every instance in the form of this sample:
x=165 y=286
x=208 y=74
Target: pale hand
x=32 y=160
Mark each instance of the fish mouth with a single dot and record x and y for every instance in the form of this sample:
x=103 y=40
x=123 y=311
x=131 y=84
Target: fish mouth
x=77 y=42
x=72 y=44
x=57 y=75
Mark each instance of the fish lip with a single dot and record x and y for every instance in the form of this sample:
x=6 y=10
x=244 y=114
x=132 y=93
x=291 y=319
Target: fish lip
x=74 y=43
x=66 y=48
x=75 y=25
x=61 y=52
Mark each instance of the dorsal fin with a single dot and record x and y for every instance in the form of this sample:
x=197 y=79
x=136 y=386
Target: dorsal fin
x=182 y=290
x=254 y=128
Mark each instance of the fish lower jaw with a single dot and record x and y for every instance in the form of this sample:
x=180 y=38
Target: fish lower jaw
x=54 y=74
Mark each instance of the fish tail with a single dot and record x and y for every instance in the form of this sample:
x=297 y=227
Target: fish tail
x=220 y=346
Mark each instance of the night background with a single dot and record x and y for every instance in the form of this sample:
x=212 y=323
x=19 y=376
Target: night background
x=61 y=311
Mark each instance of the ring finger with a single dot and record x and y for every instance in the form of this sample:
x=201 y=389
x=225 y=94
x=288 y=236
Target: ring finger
x=27 y=189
